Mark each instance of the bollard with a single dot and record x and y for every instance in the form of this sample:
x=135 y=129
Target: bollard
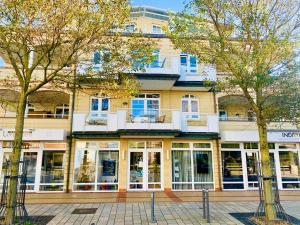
x=204 y=204
x=153 y=220
x=207 y=204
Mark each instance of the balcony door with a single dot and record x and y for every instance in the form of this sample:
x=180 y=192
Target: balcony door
x=190 y=107
x=145 y=108
x=188 y=63
x=99 y=108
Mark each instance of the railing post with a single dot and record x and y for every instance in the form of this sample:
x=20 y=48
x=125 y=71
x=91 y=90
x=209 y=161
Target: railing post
x=153 y=220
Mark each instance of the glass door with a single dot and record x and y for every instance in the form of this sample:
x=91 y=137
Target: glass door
x=252 y=169
x=31 y=158
x=145 y=170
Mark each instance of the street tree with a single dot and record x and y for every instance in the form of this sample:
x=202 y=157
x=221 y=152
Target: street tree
x=46 y=43
x=254 y=42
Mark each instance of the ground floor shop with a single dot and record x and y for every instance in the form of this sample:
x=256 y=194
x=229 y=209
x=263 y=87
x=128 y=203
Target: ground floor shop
x=165 y=164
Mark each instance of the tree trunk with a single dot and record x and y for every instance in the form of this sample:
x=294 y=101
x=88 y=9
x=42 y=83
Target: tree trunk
x=15 y=158
x=266 y=170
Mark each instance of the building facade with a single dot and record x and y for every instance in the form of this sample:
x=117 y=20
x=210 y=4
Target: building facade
x=177 y=134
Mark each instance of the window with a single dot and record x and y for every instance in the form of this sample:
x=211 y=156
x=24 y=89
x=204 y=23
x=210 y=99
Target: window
x=230 y=145
x=145 y=108
x=96 y=169
x=232 y=170
x=289 y=167
x=188 y=63
x=156 y=57
x=99 y=104
x=130 y=28
x=100 y=58
x=62 y=111
x=191 y=168
x=189 y=107
x=157 y=29
x=52 y=171
x=251 y=145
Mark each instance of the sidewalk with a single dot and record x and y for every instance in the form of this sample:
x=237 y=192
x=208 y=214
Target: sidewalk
x=140 y=213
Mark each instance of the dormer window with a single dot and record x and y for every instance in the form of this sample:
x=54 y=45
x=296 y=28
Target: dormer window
x=129 y=28
x=157 y=29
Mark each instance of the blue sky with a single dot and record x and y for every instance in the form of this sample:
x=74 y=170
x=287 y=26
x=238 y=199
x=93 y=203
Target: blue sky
x=175 y=5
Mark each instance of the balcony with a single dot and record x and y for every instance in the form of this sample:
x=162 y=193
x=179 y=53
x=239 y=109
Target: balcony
x=127 y=119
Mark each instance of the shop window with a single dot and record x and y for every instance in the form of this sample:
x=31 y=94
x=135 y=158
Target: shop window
x=203 y=171
x=232 y=170
x=52 y=171
x=182 y=170
x=230 y=145
x=289 y=167
x=271 y=145
x=180 y=145
x=201 y=145
x=287 y=146
x=251 y=145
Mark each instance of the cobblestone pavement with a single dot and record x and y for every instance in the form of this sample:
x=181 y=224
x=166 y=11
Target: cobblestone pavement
x=140 y=213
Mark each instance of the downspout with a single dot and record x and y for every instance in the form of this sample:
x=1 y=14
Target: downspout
x=218 y=145
x=70 y=140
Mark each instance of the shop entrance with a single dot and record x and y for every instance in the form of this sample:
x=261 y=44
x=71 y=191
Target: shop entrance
x=145 y=169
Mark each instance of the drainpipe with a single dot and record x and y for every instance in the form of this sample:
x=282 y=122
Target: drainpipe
x=70 y=140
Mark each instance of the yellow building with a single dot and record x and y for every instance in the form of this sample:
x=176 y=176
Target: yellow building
x=176 y=134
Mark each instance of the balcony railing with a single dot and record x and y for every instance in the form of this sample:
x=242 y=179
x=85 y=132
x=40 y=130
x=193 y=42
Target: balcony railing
x=134 y=119
x=238 y=118
x=37 y=115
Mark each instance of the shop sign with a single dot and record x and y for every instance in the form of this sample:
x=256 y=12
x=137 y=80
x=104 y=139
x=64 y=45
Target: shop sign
x=284 y=136
x=34 y=134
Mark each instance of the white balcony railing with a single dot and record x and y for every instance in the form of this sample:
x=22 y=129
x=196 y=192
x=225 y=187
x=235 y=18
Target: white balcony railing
x=166 y=65
x=127 y=119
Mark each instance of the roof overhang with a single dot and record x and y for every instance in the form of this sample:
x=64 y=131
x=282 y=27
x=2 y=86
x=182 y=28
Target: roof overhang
x=149 y=81
x=191 y=86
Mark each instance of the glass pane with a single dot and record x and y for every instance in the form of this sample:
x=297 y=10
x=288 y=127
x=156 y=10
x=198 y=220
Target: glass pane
x=185 y=106
x=289 y=166
x=52 y=170
x=154 y=144
x=153 y=108
x=136 y=167
x=251 y=159
x=95 y=103
x=136 y=144
x=193 y=61
x=104 y=106
x=232 y=166
x=203 y=171
x=251 y=145
x=6 y=157
x=85 y=167
x=154 y=164
x=31 y=159
x=97 y=58
x=108 y=166
x=181 y=166
x=230 y=145
x=287 y=146
x=138 y=107
x=180 y=145
x=194 y=106
x=183 y=60
x=201 y=145
x=155 y=62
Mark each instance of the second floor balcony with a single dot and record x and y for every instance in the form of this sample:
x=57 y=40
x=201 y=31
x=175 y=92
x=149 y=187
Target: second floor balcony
x=135 y=119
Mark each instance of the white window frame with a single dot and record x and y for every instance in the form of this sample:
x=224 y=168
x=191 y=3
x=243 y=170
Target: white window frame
x=145 y=102
x=97 y=149
x=187 y=69
x=145 y=183
x=189 y=114
x=192 y=149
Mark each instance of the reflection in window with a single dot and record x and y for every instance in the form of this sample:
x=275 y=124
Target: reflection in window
x=84 y=170
x=52 y=171
x=203 y=171
x=289 y=166
x=232 y=170
x=182 y=170
x=108 y=163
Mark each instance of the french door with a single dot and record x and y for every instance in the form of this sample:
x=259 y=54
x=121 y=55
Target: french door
x=33 y=159
x=145 y=170
x=251 y=159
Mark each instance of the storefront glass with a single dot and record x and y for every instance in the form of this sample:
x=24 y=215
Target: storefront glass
x=232 y=170
x=96 y=166
x=192 y=168
x=289 y=167
x=52 y=171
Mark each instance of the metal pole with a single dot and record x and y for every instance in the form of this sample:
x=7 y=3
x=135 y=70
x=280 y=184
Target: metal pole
x=204 y=204
x=207 y=204
x=152 y=208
